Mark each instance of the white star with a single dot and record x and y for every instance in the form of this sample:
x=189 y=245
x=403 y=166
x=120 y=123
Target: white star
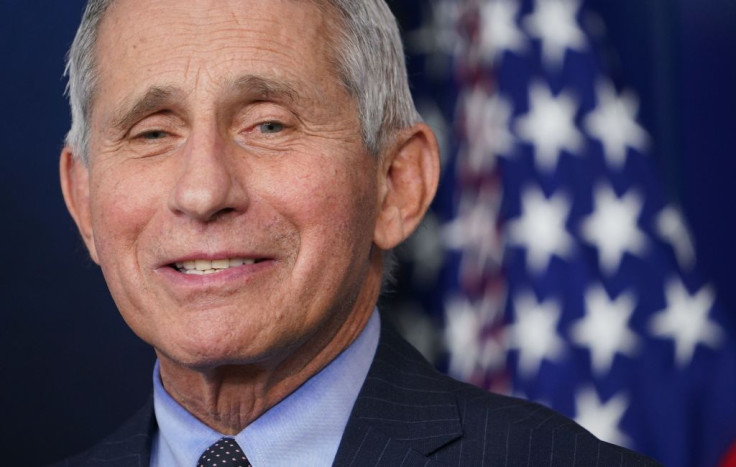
x=613 y=122
x=604 y=329
x=541 y=228
x=671 y=227
x=474 y=232
x=486 y=120
x=685 y=320
x=555 y=23
x=602 y=419
x=549 y=126
x=471 y=351
x=438 y=38
x=534 y=333
x=499 y=31
x=613 y=228
x=462 y=337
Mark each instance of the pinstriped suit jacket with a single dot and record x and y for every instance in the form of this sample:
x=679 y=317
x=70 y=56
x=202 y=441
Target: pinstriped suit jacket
x=408 y=414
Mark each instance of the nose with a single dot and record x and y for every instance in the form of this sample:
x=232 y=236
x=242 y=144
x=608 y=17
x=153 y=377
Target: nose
x=206 y=187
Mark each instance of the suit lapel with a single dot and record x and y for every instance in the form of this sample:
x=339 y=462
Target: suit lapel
x=129 y=446
x=404 y=414
x=404 y=411
x=363 y=445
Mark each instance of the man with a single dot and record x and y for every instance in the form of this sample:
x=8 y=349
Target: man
x=240 y=169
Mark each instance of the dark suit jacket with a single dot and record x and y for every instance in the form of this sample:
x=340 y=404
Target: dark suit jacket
x=408 y=414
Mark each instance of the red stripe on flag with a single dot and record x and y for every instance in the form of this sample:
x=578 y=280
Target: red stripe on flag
x=729 y=460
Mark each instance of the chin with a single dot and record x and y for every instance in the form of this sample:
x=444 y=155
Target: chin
x=205 y=352
x=201 y=358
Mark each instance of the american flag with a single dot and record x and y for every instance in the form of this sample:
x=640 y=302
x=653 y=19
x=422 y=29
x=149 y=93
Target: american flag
x=565 y=275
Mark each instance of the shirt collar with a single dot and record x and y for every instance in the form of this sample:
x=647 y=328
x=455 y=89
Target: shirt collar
x=303 y=429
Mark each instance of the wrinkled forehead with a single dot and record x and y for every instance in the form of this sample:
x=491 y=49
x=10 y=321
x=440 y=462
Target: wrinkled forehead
x=140 y=42
x=327 y=8
x=127 y=17
x=131 y=25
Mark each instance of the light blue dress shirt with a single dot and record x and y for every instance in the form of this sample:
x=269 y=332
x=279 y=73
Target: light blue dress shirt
x=304 y=429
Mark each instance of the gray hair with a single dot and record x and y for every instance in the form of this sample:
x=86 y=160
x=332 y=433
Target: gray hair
x=368 y=56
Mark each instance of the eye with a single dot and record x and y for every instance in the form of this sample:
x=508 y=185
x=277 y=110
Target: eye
x=271 y=127
x=153 y=134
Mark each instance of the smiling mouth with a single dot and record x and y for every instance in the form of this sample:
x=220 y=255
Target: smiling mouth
x=204 y=266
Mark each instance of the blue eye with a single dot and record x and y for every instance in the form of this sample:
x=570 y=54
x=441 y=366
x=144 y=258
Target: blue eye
x=153 y=134
x=271 y=127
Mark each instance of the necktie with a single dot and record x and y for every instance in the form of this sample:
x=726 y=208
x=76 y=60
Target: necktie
x=224 y=453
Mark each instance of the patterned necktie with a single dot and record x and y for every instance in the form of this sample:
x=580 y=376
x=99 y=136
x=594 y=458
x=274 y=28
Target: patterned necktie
x=224 y=453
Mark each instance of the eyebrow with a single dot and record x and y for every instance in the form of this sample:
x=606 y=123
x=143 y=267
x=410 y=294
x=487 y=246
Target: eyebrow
x=155 y=98
x=256 y=87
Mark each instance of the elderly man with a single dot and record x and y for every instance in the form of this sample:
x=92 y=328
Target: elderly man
x=239 y=170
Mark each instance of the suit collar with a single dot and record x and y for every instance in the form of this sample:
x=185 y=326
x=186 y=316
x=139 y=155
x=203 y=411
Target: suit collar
x=404 y=412
x=129 y=446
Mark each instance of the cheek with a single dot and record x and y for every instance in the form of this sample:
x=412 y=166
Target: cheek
x=122 y=205
x=334 y=211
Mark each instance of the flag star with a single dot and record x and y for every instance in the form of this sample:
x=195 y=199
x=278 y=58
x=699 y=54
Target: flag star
x=685 y=320
x=549 y=126
x=462 y=337
x=541 y=228
x=612 y=227
x=469 y=349
x=499 y=31
x=534 y=333
x=671 y=227
x=613 y=123
x=555 y=23
x=602 y=419
x=486 y=120
x=604 y=329
x=438 y=38
x=474 y=231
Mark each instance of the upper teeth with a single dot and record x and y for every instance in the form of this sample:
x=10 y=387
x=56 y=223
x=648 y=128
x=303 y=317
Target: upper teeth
x=205 y=266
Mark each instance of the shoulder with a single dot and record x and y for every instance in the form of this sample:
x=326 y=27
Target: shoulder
x=530 y=433
x=129 y=445
x=494 y=427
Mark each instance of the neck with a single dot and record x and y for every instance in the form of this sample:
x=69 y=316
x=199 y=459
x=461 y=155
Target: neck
x=228 y=398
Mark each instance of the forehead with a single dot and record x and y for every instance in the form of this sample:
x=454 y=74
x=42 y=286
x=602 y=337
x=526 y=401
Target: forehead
x=195 y=43
x=130 y=18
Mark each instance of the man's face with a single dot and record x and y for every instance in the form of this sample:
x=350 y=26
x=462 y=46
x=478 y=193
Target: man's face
x=222 y=141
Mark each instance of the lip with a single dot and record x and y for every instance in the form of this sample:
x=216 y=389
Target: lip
x=236 y=274
x=212 y=257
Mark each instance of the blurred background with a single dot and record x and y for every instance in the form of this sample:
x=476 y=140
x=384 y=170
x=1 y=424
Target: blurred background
x=578 y=253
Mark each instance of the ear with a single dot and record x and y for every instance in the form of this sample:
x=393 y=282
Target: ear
x=75 y=188
x=408 y=182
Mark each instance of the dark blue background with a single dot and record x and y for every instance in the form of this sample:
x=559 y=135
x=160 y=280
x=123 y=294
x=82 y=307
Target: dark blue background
x=72 y=370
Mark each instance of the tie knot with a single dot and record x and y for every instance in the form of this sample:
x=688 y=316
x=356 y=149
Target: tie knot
x=224 y=453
